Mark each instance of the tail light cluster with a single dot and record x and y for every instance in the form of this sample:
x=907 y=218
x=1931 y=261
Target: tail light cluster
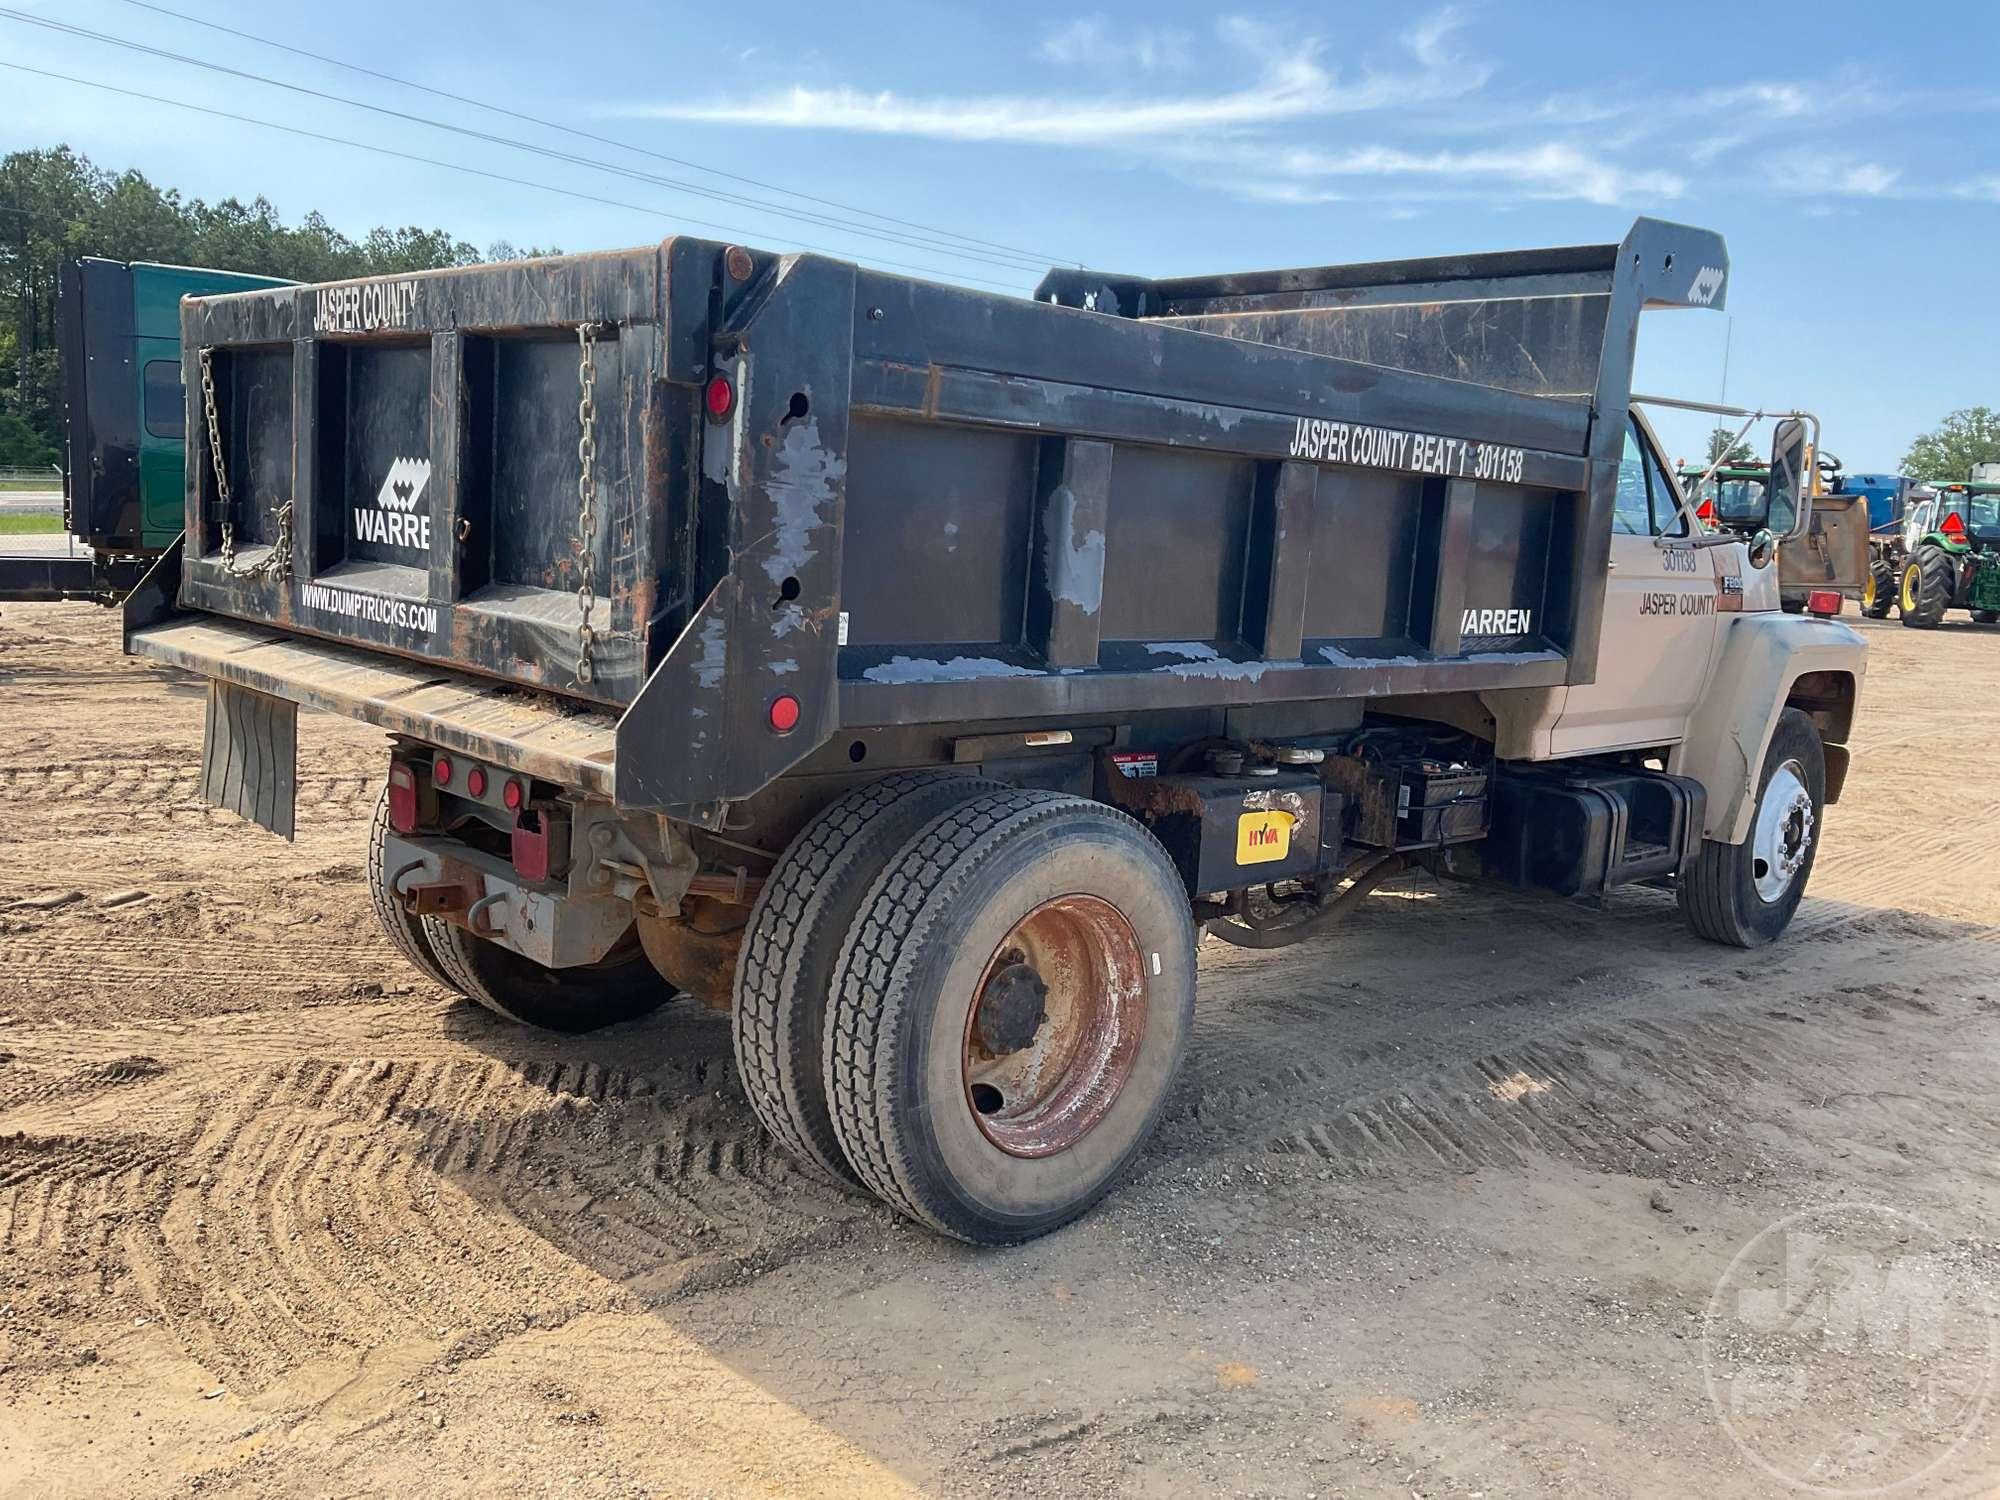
x=469 y=780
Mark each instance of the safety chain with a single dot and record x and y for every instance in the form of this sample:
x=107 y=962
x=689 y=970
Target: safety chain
x=586 y=498
x=278 y=562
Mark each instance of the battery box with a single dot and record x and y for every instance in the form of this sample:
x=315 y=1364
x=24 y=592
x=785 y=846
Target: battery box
x=1415 y=803
x=1229 y=832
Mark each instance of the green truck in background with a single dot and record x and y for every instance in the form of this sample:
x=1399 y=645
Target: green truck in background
x=125 y=425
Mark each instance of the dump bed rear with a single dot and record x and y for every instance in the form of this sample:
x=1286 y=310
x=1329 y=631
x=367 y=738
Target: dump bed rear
x=899 y=502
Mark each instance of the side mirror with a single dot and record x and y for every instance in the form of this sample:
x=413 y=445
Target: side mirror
x=1787 y=498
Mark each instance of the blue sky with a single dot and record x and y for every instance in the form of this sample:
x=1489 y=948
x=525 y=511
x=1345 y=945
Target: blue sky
x=1850 y=153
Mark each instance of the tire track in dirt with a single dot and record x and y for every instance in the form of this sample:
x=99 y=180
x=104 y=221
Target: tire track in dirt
x=308 y=1203
x=1614 y=1065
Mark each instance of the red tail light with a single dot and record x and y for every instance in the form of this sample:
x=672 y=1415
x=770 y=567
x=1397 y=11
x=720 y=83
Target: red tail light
x=441 y=770
x=784 y=714
x=402 y=798
x=475 y=782
x=720 y=398
x=513 y=796
x=1823 y=602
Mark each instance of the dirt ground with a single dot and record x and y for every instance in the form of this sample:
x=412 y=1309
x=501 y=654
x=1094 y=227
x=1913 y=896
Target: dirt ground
x=1441 y=1208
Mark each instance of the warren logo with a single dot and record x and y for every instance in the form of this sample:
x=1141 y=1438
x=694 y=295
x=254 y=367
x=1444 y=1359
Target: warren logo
x=392 y=521
x=1497 y=622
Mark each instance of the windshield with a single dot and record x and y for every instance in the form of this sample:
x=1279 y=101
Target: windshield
x=1739 y=497
x=1984 y=515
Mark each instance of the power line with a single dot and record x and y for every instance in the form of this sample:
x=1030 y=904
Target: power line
x=1007 y=261
x=570 y=130
x=452 y=166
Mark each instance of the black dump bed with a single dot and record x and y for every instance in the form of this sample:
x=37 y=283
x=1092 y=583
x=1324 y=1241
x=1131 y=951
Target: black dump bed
x=901 y=502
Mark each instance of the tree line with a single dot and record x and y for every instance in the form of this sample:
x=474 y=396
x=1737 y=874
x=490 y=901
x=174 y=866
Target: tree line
x=56 y=205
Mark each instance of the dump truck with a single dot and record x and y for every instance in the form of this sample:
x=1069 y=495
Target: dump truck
x=118 y=341
x=915 y=671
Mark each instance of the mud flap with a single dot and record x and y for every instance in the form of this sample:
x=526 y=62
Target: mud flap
x=249 y=756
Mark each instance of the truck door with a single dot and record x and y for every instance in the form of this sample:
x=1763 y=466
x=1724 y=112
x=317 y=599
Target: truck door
x=1659 y=618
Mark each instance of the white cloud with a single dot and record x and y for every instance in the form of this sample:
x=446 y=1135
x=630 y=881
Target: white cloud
x=1091 y=41
x=1803 y=173
x=1986 y=187
x=1776 y=101
x=1291 y=82
x=1426 y=40
x=1551 y=170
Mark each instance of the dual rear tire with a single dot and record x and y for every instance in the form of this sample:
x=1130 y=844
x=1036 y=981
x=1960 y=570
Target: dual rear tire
x=972 y=1001
x=620 y=987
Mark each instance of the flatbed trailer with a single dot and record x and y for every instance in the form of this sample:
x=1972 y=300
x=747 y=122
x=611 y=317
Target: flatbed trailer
x=912 y=670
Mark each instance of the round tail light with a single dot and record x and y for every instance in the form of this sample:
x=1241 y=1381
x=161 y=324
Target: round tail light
x=513 y=796
x=784 y=714
x=441 y=770
x=475 y=782
x=720 y=398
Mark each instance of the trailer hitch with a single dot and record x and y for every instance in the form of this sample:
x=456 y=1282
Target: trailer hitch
x=438 y=898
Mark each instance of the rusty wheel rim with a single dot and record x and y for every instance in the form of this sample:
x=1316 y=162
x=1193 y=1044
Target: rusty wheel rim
x=1054 y=1026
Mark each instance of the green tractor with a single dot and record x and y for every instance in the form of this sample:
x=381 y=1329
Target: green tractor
x=1951 y=554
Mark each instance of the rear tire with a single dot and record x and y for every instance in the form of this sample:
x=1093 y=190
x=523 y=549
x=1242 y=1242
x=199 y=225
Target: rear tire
x=1745 y=894
x=793 y=942
x=1929 y=578
x=1878 y=594
x=1010 y=1011
x=622 y=986
x=405 y=932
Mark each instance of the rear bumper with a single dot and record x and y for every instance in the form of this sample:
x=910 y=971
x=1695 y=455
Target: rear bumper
x=477 y=717
x=56 y=579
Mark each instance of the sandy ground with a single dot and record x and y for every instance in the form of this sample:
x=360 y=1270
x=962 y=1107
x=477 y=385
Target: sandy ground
x=1441 y=1209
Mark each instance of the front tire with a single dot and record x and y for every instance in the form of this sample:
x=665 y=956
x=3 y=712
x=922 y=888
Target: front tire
x=1929 y=578
x=1011 y=1008
x=1878 y=594
x=1745 y=894
x=621 y=986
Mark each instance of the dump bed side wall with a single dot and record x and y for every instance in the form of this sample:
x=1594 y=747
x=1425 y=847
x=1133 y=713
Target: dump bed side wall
x=959 y=507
